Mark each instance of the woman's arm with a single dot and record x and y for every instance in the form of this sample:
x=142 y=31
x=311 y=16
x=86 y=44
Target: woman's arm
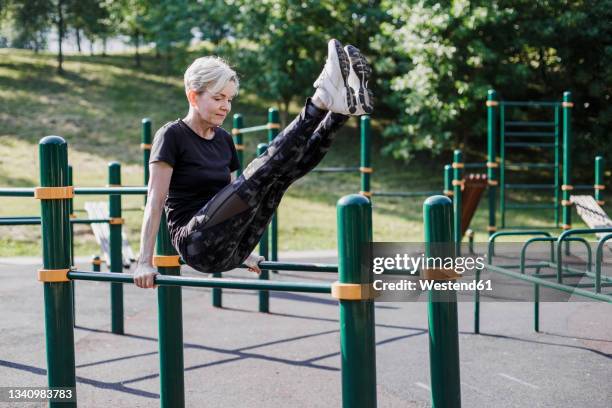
x=160 y=174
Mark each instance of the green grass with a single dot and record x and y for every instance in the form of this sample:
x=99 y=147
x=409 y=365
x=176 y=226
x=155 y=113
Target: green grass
x=97 y=106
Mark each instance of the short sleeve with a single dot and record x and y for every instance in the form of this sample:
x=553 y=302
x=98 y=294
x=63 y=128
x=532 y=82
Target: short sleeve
x=164 y=146
x=234 y=162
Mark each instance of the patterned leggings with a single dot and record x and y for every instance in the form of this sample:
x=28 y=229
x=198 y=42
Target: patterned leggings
x=227 y=229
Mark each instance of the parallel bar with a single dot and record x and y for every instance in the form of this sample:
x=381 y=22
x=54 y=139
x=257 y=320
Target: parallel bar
x=530 y=186
x=530 y=103
x=530 y=124
x=526 y=144
x=169 y=280
x=336 y=170
x=110 y=190
x=532 y=206
x=115 y=250
x=404 y=193
x=36 y=221
x=531 y=134
x=17 y=192
x=527 y=166
x=301 y=267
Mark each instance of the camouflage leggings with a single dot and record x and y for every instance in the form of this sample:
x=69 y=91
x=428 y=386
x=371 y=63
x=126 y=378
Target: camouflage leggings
x=227 y=229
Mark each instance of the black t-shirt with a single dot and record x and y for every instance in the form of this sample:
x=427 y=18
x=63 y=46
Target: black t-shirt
x=201 y=168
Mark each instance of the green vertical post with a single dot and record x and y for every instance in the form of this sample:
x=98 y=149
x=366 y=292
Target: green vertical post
x=170 y=322
x=457 y=197
x=566 y=188
x=115 y=248
x=492 y=163
x=273 y=129
x=55 y=224
x=96 y=263
x=365 y=156
x=502 y=164
x=71 y=215
x=264 y=295
x=599 y=180
x=557 y=168
x=442 y=308
x=357 y=336
x=145 y=145
x=237 y=124
x=448 y=180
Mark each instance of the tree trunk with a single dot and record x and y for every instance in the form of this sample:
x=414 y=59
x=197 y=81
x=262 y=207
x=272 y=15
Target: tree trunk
x=91 y=46
x=137 y=44
x=285 y=112
x=60 y=36
x=78 y=39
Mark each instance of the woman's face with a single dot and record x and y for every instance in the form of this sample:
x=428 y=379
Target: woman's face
x=213 y=107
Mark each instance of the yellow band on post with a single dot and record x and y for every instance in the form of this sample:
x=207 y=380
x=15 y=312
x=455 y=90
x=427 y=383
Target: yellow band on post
x=239 y=147
x=235 y=131
x=492 y=103
x=96 y=262
x=366 y=193
x=567 y=187
x=53 y=193
x=73 y=215
x=366 y=169
x=492 y=182
x=116 y=221
x=457 y=165
x=273 y=125
x=599 y=187
x=492 y=165
x=53 y=275
x=568 y=104
x=352 y=291
x=448 y=193
x=566 y=203
x=491 y=228
x=440 y=274
x=166 y=261
x=566 y=226
x=145 y=146
x=457 y=183
x=600 y=202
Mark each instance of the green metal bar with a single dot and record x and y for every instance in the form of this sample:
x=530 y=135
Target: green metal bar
x=17 y=192
x=71 y=215
x=599 y=174
x=563 y=238
x=492 y=156
x=170 y=322
x=115 y=249
x=532 y=104
x=448 y=180
x=567 y=161
x=274 y=128
x=519 y=186
x=492 y=238
x=532 y=240
x=145 y=144
x=264 y=296
x=502 y=164
x=599 y=261
x=404 y=193
x=536 y=304
x=357 y=336
x=531 y=134
x=36 y=221
x=59 y=318
x=238 y=124
x=557 y=167
x=366 y=158
x=529 y=144
x=552 y=285
x=96 y=263
x=184 y=281
x=530 y=206
x=442 y=307
x=457 y=198
x=110 y=190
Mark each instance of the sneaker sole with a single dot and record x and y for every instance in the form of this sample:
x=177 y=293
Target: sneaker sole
x=345 y=69
x=362 y=71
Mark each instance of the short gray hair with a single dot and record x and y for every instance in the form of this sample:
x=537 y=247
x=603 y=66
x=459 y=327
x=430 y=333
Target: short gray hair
x=209 y=74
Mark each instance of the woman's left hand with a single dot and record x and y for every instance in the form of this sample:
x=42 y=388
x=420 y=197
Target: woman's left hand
x=252 y=262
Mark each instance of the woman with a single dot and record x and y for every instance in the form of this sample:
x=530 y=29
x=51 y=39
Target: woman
x=215 y=220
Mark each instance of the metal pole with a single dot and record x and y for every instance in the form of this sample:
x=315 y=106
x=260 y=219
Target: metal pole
x=71 y=237
x=599 y=183
x=492 y=162
x=59 y=319
x=273 y=129
x=442 y=308
x=567 y=187
x=448 y=180
x=115 y=247
x=457 y=197
x=365 y=157
x=145 y=145
x=170 y=312
x=264 y=295
x=357 y=337
x=238 y=124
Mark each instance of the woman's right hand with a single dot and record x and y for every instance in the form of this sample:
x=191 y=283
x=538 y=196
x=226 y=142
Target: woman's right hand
x=144 y=276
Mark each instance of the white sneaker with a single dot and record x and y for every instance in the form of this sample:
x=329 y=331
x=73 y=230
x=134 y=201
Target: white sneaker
x=332 y=85
x=358 y=80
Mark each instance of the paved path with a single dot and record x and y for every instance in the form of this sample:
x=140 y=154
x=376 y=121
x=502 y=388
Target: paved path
x=236 y=357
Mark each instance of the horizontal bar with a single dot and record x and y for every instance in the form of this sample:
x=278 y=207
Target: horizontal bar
x=405 y=193
x=523 y=227
x=21 y=217
x=530 y=124
x=530 y=103
x=526 y=144
x=533 y=206
x=527 y=166
x=335 y=170
x=17 y=192
x=530 y=186
x=475 y=165
x=591 y=285
x=530 y=134
x=36 y=221
x=254 y=129
x=300 y=267
x=553 y=285
x=167 y=280
x=583 y=187
x=111 y=190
